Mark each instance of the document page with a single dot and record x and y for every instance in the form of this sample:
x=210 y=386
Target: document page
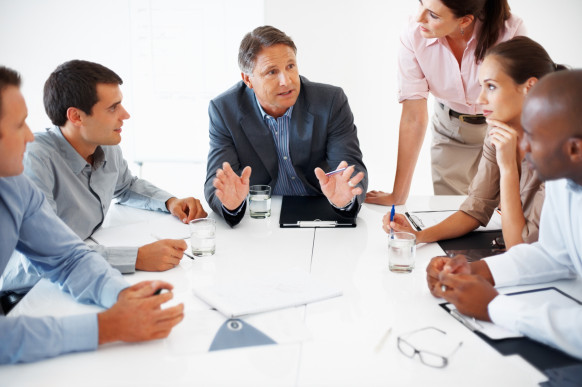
x=538 y=296
x=138 y=234
x=266 y=293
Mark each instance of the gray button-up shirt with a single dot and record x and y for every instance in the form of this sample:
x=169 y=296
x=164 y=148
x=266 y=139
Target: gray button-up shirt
x=81 y=193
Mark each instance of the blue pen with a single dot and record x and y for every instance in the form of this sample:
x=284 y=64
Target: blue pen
x=391 y=219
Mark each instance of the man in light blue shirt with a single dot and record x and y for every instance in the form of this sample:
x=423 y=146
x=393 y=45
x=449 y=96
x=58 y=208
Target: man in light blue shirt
x=553 y=146
x=80 y=168
x=30 y=226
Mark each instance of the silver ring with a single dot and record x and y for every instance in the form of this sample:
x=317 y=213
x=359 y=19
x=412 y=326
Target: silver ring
x=443 y=288
x=350 y=184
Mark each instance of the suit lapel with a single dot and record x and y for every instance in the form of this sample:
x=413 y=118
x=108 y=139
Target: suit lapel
x=301 y=136
x=258 y=133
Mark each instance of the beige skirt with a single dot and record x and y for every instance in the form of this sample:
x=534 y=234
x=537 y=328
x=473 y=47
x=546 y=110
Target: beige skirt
x=455 y=152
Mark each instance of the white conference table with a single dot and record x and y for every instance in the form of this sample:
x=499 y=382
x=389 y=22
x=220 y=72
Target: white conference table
x=328 y=343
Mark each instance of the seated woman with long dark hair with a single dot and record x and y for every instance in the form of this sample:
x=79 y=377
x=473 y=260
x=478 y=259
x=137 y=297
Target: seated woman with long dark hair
x=504 y=179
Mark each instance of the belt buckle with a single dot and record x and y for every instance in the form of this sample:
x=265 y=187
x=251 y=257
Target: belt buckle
x=463 y=116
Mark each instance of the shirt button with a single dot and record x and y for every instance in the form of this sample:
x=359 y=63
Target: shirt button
x=284 y=157
x=292 y=177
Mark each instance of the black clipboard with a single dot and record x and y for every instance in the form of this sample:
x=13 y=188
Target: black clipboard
x=541 y=356
x=311 y=211
x=475 y=244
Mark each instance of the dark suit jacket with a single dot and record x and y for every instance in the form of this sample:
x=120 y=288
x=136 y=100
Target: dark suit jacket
x=321 y=134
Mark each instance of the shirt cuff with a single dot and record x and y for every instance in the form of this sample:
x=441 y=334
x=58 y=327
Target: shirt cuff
x=503 y=270
x=111 y=290
x=160 y=204
x=80 y=333
x=234 y=212
x=347 y=207
x=505 y=311
x=121 y=258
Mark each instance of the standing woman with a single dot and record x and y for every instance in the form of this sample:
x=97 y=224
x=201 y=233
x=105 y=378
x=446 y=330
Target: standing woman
x=440 y=53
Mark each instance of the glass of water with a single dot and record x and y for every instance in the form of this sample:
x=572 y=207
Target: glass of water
x=401 y=251
x=203 y=237
x=260 y=201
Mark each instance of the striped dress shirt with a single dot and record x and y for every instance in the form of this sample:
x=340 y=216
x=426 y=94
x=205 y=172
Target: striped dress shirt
x=288 y=183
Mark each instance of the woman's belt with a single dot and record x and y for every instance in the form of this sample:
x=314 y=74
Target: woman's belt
x=474 y=119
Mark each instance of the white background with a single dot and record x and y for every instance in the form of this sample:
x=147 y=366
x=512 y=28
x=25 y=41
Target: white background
x=176 y=55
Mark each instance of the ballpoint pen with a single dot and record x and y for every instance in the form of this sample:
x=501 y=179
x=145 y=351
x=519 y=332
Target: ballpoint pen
x=185 y=253
x=337 y=171
x=382 y=340
x=189 y=256
x=392 y=219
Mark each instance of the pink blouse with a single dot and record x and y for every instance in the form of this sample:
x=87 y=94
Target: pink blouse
x=429 y=65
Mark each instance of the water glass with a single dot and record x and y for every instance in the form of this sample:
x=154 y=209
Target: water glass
x=203 y=237
x=401 y=251
x=260 y=201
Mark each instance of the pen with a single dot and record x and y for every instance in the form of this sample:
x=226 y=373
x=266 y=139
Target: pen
x=462 y=320
x=415 y=221
x=185 y=253
x=382 y=340
x=391 y=219
x=337 y=171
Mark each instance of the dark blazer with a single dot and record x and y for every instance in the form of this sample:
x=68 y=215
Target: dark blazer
x=321 y=134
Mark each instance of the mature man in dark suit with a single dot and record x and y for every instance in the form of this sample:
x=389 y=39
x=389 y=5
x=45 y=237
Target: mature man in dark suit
x=285 y=129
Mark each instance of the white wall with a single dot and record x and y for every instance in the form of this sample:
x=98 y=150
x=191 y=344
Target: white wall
x=349 y=43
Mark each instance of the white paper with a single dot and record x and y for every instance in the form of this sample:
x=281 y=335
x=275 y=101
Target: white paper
x=489 y=329
x=495 y=332
x=270 y=292
x=426 y=219
x=139 y=234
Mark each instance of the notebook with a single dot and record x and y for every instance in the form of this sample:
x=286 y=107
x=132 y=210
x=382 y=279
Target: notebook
x=311 y=211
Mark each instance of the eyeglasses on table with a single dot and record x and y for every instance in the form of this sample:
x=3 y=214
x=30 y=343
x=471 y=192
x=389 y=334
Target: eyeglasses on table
x=428 y=358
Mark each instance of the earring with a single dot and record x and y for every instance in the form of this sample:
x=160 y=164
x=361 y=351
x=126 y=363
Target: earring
x=462 y=31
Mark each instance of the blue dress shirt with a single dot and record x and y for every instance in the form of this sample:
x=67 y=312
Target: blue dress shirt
x=80 y=194
x=30 y=226
x=287 y=181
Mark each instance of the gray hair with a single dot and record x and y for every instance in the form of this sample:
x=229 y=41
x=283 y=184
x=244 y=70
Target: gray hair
x=253 y=43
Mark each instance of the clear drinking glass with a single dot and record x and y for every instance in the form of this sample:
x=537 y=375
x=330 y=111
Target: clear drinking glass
x=401 y=251
x=203 y=237
x=260 y=201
